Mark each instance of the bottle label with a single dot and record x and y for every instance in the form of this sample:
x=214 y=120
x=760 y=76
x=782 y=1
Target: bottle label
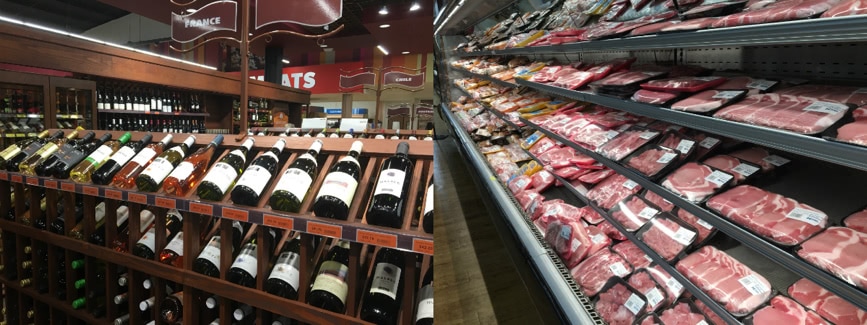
x=287 y=269
x=340 y=185
x=390 y=182
x=144 y=156
x=295 y=181
x=255 y=177
x=248 y=262
x=47 y=150
x=177 y=244
x=429 y=200
x=211 y=253
x=240 y=154
x=272 y=155
x=386 y=280
x=425 y=303
x=350 y=159
x=10 y=152
x=98 y=156
x=148 y=239
x=159 y=169
x=222 y=175
x=183 y=170
x=332 y=278
x=123 y=155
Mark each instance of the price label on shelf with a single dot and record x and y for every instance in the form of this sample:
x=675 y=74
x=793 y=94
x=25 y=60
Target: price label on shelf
x=423 y=246
x=376 y=238
x=727 y=94
x=635 y=304
x=761 y=84
x=809 y=216
x=235 y=214
x=138 y=198
x=745 y=169
x=32 y=181
x=278 y=222
x=67 y=187
x=17 y=179
x=618 y=269
x=719 y=178
x=776 y=160
x=684 y=236
x=753 y=284
x=318 y=228
x=50 y=184
x=666 y=158
x=630 y=184
x=826 y=107
x=647 y=212
x=114 y=194
x=202 y=208
x=4 y=176
x=708 y=142
x=685 y=146
x=167 y=203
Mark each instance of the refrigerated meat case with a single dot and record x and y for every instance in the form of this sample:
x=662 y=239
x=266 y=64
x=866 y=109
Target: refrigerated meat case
x=824 y=173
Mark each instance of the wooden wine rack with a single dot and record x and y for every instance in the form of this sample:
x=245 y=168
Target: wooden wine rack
x=365 y=240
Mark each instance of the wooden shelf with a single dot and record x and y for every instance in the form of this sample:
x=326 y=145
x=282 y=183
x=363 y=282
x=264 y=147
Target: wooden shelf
x=117 y=111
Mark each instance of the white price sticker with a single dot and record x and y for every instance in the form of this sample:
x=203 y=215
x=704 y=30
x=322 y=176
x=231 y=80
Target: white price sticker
x=624 y=127
x=776 y=160
x=674 y=128
x=701 y=322
x=565 y=232
x=727 y=94
x=582 y=123
x=684 y=146
x=674 y=285
x=745 y=169
x=710 y=78
x=666 y=158
x=647 y=212
x=635 y=304
x=719 y=178
x=618 y=269
x=826 y=107
x=708 y=142
x=761 y=84
x=575 y=244
x=611 y=134
x=654 y=297
x=753 y=284
x=684 y=236
x=647 y=135
x=630 y=184
x=704 y=224
x=598 y=238
x=809 y=216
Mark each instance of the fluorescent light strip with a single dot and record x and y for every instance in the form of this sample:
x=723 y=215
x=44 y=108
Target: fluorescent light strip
x=415 y=6
x=382 y=49
x=449 y=17
x=60 y=32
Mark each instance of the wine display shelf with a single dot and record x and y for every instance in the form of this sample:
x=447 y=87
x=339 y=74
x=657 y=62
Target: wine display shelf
x=403 y=134
x=119 y=111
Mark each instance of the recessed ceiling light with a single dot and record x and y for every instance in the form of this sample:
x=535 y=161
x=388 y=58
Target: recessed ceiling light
x=191 y=10
x=323 y=45
x=285 y=61
x=415 y=6
x=384 y=26
x=404 y=52
x=383 y=11
x=382 y=49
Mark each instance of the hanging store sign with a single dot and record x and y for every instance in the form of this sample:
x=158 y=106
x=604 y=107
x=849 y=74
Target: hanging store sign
x=318 y=79
x=357 y=79
x=309 y=12
x=216 y=16
x=394 y=78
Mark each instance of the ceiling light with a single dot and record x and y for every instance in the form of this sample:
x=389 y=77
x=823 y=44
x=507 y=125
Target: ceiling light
x=382 y=49
x=323 y=45
x=383 y=11
x=285 y=61
x=415 y=6
x=384 y=26
x=191 y=10
x=404 y=52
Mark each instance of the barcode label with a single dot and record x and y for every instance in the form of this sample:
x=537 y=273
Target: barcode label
x=745 y=169
x=566 y=231
x=701 y=322
x=761 y=84
x=582 y=123
x=624 y=127
x=611 y=134
x=727 y=94
x=666 y=158
x=711 y=78
x=618 y=269
x=630 y=184
x=654 y=297
x=647 y=212
x=684 y=236
x=776 y=160
x=685 y=145
x=809 y=216
x=674 y=285
x=647 y=135
x=598 y=238
x=719 y=178
x=826 y=107
x=635 y=304
x=708 y=142
x=704 y=224
x=753 y=284
x=575 y=244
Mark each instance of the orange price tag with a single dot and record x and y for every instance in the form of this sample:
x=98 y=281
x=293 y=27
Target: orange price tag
x=4 y=176
x=112 y=194
x=67 y=187
x=236 y=214
x=200 y=208
x=138 y=198
x=324 y=229
x=32 y=181
x=89 y=190
x=423 y=246
x=166 y=203
x=279 y=222
x=376 y=238
x=50 y=184
x=17 y=179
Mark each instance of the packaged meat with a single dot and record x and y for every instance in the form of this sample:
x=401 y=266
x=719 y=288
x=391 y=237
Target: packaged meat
x=653 y=28
x=840 y=251
x=679 y=142
x=567 y=172
x=847 y=8
x=546 y=74
x=582 y=160
x=653 y=97
x=777 y=11
x=520 y=183
x=625 y=78
x=548 y=209
x=549 y=151
x=726 y=280
x=804 y=115
x=860 y=113
x=650 y=319
x=535 y=139
x=591 y=216
x=667 y=236
x=632 y=254
x=626 y=142
x=684 y=84
x=529 y=198
x=633 y=212
x=592 y=136
x=841 y=94
x=775 y=217
x=826 y=304
x=753 y=85
x=855 y=132
x=682 y=313
x=611 y=231
x=594 y=272
x=598 y=240
x=643 y=282
x=696 y=182
x=708 y=100
x=574 y=80
x=741 y=170
x=706 y=144
x=673 y=288
x=619 y=304
x=653 y=161
x=569 y=239
x=705 y=230
x=710 y=314
x=663 y=204
x=542 y=180
x=707 y=13
x=783 y=310
x=612 y=190
x=857 y=221
x=596 y=176
x=761 y=157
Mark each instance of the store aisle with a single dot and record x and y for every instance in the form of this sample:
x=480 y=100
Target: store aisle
x=477 y=280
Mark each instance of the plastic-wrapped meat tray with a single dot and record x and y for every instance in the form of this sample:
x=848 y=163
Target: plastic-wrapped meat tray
x=627 y=142
x=739 y=289
x=594 y=272
x=653 y=161
x=612 y=190
x=696 y=182
x=668 y=236
x=840 y=251
x=633 y=212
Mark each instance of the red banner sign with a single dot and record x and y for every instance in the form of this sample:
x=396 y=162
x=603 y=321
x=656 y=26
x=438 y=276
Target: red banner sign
x=394 y=78
x=318 y=79
x=357 y=79
x=306 y=12
x=216 y=16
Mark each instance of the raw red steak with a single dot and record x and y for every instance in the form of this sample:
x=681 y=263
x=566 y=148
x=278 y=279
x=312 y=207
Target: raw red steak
x=732 y=166
x=657 y=200
x=681 y=314
x=569 y=239
x=850 y=95
x=625 y=143
x=667 y=238
x=613 y=307
x=704 y=229
x=847 y=8
x=695 y=181
x=652 y=291
x=596 y=177
x=755 y=155
x=652 y=97
x=855 y=132
x=857 y=221
x=648 y=161
x=610 y=231
x=773 y=216
x=591 y=216
x=710 y=314
x=840 y=251
x=612 y=190
x=707 y=100
x=735 y=286
x=633 y=213
x=827 y=304
x=598 y=240
x=778 y=11
x=594 y=271
x=633 y=254
x=783 y=310
x=687 y=84
x=805 y=115
x=673 y=288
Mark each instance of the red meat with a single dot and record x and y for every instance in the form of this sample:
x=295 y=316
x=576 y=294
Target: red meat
x=652 y=97
x=569 y=239
x=596 y=177
x=625 y=143
x=657 y=200
x=710 y=314
x=840 y=251
x=673 y=288
x=695 y=181
x=855 y=132
x=687 y=84
x=612 y=305
x=542 y=180
x=704 y=229
x=644 y=283
x=598 y=240
x=667 y=238
x=777 y=11
x=827 y=304
x=610 y=231
x=624 y=78
x=567 y=172
x=633 y=213
x=681 y=314
x=857 y=221
x=633 y=254
x=783 y=310
x=591 y=216
x=520 y=183
x=574 y=80
x=612 y=190
x=798 y=114
x=653 y=28
x=706 y=101
x=648 y=162
x=529 y=198
x=594 y=271
x=847 y=8
x=860 y=113
x=555 y=155
x=731 y=165
x=735 y=286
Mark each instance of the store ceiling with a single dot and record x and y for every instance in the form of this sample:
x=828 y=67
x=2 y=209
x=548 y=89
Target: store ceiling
x=74 y=16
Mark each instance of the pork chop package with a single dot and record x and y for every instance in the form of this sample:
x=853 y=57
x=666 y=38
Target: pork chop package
x=735 y=286
x=590 y=216
x=668 y=236
x=633 y=254
x=799 y=114
x=696 y=182
x=683 y=312
x=840 y=251
x=706 y=144
x=653 y=161
x=594 y=271
x=633 y=212
x=683 y=144
x=663 y=204
x=784 y=310
x=619 y=303
x=857 y=221
x=847 y=8
x=673 y=288
x=705 y=229
x=529 y=198
x=775 y=217
x=853 y=132
x=520 y=183
x=684 y=84
x=627 y=142
x=742 y=170
x=653 y=97
x=612 y=190
x=569 y=239
x=827 y=304
x=642 y=281
x=708 y=101
x=760 y=156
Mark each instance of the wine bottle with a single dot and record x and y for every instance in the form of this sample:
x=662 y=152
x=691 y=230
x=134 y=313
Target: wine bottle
x=224 y=173
x=188 y=173
x=125 y=178
x=58 y=226
x=16 y=148
x=293 y=186
x=284 y=278
x=386 y=207
x=254 y=180
x=121 y=243
x=77 y=231
x=428 y=209
x=145 y=246
x=242 y=312
x=98 y=235
x=28 y=165
x=329 y=287
x=246 y=265
x=122 y=320
x=103 y=175
x=208 y=261
x=282 y=320
x=172 y=308
x=425 y=309
x=339 y=186
x=212 y=302
x=83 y=171
x=12 y=163
x=71 y=150
x=383 y=297
x=174 y=252
x=152 y=177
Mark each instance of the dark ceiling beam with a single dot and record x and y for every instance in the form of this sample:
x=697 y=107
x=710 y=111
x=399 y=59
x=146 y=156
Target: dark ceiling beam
x=48 y=19
x=64 y=8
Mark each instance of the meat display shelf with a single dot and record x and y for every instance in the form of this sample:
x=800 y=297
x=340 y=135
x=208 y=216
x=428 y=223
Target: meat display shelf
x=575 y=308
x=117 y=111
x=825 y=30
x=381 y=236
x=489 y=78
